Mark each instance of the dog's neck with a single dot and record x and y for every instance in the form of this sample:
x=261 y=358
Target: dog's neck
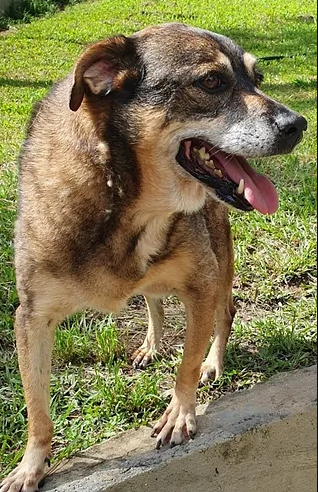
x=144 y=191
x=154 y=211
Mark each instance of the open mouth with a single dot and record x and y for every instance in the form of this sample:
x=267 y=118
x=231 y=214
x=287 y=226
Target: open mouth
x=233 y=179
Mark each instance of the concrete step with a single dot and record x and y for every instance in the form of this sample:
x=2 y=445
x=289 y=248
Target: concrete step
x=259 y=440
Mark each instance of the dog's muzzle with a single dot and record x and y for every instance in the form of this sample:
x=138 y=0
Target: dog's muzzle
x=234 y=181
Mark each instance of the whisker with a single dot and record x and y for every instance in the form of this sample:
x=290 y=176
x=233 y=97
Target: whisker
x=213 y=151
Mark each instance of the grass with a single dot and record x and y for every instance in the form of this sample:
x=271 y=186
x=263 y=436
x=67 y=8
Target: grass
x=27 y=10
x=95 y=393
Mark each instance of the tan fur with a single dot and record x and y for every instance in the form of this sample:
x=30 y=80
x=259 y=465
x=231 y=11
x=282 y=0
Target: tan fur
x=150 y=347
x=254 y=102
x=250 y=62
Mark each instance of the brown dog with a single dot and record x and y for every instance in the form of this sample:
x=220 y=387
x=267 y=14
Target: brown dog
x=125 y=179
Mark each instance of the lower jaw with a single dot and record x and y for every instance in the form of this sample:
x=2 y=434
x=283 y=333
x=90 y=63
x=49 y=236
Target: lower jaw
x=193 y=196
x=222 y=190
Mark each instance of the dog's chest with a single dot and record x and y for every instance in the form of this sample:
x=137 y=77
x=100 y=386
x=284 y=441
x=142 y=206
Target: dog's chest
x=152 y=240
x=110 y=288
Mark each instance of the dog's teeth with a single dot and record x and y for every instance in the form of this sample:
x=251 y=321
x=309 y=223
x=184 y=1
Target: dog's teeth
x=218 y=172
x=203 y=155
x=196 y=151
x=210 y=163
x=240 y=188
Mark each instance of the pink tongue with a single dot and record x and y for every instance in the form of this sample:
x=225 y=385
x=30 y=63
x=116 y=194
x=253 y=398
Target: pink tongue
x=259 y=191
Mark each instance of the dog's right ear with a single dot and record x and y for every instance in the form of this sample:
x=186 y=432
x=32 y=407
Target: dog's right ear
x=104 y=68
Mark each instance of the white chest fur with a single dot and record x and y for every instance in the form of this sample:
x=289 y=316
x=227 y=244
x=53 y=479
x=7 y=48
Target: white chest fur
x=153 y=238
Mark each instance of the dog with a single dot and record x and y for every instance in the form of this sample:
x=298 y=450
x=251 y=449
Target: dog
x=126 y=176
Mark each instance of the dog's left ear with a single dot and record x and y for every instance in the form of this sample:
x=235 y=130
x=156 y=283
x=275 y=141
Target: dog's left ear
x=110 y=66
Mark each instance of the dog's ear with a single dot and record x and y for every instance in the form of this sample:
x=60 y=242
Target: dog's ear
x=104 y=68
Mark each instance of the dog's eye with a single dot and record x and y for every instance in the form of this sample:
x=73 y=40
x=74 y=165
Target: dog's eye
x=210 y=83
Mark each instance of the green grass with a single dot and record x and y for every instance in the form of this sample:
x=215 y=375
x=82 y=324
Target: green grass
x=27 y=10
x=95 y=393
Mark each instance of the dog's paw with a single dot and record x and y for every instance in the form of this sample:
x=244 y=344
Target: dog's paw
x=143 y=357
x=210 y=371
x=27 y=477
x=177 y=423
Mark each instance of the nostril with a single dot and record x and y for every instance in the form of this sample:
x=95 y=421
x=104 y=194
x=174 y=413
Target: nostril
x=295 y=127
x=291 y=130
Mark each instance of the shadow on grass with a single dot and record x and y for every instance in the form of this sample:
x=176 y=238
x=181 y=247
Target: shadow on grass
x=57 y=38
x=250 y=362
x=4 y=82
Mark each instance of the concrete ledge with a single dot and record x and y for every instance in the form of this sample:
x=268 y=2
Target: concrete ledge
x=263 y=439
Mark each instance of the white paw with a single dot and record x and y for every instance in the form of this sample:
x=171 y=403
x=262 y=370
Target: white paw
x=210 y=371
x=177 y=423
x=143 y=357
x=27 y=477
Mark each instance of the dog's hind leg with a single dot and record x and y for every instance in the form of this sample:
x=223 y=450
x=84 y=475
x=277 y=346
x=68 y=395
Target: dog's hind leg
x=34 y=335
x=146 y=353
x=213 y=365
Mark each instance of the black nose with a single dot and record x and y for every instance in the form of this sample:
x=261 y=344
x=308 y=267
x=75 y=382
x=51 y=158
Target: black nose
x=297 y=125
x=291 y=127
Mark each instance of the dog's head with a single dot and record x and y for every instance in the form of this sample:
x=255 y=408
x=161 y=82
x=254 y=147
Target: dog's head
x=192 y=104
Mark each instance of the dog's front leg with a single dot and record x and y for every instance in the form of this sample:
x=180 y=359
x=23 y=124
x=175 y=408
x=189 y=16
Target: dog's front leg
x=179 y=419
x=34 y=336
